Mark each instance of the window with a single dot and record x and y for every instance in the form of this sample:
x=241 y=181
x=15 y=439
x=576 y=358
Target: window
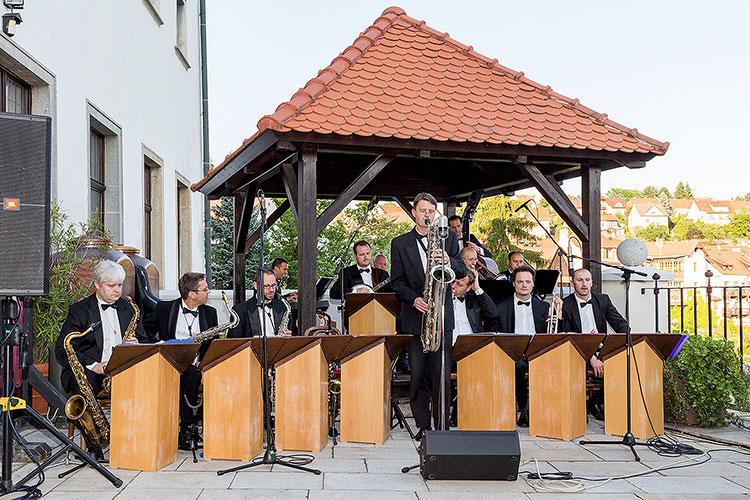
x=147 y=211
x=181 y=33
x=184 y=236
x=96 y=174
x=16 y=94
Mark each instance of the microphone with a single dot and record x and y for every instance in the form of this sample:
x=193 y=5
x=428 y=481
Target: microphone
x=373 y=202
x=262 y=202
x=524 y=205
x=570 y=261
x=426 y=221
x=442 y=224
x=95 y=325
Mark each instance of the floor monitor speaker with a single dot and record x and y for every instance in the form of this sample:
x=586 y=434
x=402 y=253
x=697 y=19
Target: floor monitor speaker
x=492 y=455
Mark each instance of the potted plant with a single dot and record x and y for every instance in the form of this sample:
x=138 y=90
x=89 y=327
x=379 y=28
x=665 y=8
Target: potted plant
x=72 y=247
x=703 y=382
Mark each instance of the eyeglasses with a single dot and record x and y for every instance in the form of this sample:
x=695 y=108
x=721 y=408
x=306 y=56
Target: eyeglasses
x=206 y=290
x=269 y=286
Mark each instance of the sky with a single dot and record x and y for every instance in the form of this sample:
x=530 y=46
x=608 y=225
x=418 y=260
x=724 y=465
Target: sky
x=678 y=71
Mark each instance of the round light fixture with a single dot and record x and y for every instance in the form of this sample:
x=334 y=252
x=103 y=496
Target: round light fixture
x=632 y=252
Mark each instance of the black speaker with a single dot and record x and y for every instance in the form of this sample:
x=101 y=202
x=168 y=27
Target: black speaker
x=491 y=455
x=25 y=165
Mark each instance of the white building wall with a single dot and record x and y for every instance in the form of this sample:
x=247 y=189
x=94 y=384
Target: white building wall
x=119 y=58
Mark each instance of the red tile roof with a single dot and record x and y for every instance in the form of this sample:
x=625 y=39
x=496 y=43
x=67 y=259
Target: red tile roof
x=402 y=79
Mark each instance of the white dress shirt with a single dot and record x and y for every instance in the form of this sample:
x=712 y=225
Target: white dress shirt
x=461 y=321
x=588 y=323
x=270 y=325
x=422 y=251
x=524 y=316
x=187 y=324
x=111 y=334
x=366 y=276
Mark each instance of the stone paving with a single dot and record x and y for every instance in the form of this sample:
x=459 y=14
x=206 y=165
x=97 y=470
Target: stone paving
x=359 y=471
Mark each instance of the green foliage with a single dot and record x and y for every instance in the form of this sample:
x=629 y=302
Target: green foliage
x=649 y=192
x=222 y=251
x=504 y=231
x=70 y=247
x=745 y=197
x=688 y=229
x=705 y=378
x=689 y=315
x=739 y=224
x=624 y=194
x=652 y=232
x=683 y=191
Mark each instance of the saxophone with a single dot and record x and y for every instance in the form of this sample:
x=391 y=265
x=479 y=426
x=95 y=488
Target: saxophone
x=432 y=324
x=84 y=408
x=128 y=337
x=234 y=320
x=284 y=323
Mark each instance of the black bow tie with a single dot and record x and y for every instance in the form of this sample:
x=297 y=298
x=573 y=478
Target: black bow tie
x=113 y=305
x=522 y=303
x=185 y=310
x=461 y=299
x=267 y=305
x=421 y=236
x=584 y=304
x=364 y=270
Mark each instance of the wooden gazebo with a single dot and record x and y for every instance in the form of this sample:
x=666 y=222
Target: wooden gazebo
x=406 y=109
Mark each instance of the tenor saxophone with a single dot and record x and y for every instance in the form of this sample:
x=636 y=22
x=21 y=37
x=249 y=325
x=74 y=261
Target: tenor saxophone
x=284 y=323
x=84 y=408
x=234 y=320
x=432 y=324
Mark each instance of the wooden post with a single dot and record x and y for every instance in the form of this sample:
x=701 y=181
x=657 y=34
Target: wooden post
x=450 y=207
x=591 y=202
x=243 y=203
x=307 y=231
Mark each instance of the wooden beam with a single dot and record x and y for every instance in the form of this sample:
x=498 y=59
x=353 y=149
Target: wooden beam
x=245 y=215
x=289 y=178
x=591 y=202
x=555 y=196
x=450 y=207
x=353 y=189
x=242 y=199
x=275 y=215
x=308 y=236
x=405 y=205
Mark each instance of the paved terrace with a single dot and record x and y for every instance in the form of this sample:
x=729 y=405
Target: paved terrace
x=358 y=471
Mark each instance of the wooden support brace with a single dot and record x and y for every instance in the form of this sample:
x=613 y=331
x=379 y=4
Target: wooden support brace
x=276 y=215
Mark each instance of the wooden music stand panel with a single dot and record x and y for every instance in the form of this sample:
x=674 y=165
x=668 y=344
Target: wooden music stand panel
x=233 y=408
x=650 y=366
x=302 y=400
x=486 y=391
x=557 y=393
x=144 y=421
x=373 y=318
x=366 y=396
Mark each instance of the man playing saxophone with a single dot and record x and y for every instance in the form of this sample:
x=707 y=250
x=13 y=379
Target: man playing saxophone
x=93 y=350
x=274 y=312
x=409 y=266
x=184 y=318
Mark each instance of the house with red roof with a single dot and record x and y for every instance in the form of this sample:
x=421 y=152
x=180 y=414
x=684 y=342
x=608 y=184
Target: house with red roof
x=644 y=214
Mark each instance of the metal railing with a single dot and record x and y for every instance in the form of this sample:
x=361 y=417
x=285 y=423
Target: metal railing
x=690 y=309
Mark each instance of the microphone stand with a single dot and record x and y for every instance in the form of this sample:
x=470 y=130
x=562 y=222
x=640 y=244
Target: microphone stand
x=443 y=416
x=342 y=263
x=269 y=456
x=627 y=439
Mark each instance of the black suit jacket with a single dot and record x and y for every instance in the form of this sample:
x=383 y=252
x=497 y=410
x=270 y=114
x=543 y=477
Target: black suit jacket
x=506 y=309
x=161 y=324
x=480 y=311
x=407 y=278
x=88 y=349
x=604 y=313
x=352 y=276
x=250 y=325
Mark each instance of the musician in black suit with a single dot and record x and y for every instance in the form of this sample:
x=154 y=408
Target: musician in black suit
x=180 y=319
x=457 y=226
x=515 y=260
x=409 y=264
x=360 y=273
x=587 y=312
x=280 y=268
x=273 y=312
x=523 y=313
x=473 y=309
x=94 y=349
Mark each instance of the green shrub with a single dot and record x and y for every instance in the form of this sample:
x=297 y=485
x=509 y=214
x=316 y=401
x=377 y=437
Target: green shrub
x=703 y=381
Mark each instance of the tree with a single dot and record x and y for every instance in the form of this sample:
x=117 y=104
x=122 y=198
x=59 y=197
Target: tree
x=683 y=191
x=624 y=194
x=650 y=192
x=222 y=249
x=739 y=224
x=653 y=232
x=664 y=192
x=504 y=230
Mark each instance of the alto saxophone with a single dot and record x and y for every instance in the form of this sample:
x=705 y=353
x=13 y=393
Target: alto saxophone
x=234 y=320
x=432 y=323
x=128 y=337
x=284 y=323
x=84 y=408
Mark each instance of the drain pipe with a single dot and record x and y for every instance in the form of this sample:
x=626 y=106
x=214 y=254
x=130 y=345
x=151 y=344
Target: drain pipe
x=206 y=154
